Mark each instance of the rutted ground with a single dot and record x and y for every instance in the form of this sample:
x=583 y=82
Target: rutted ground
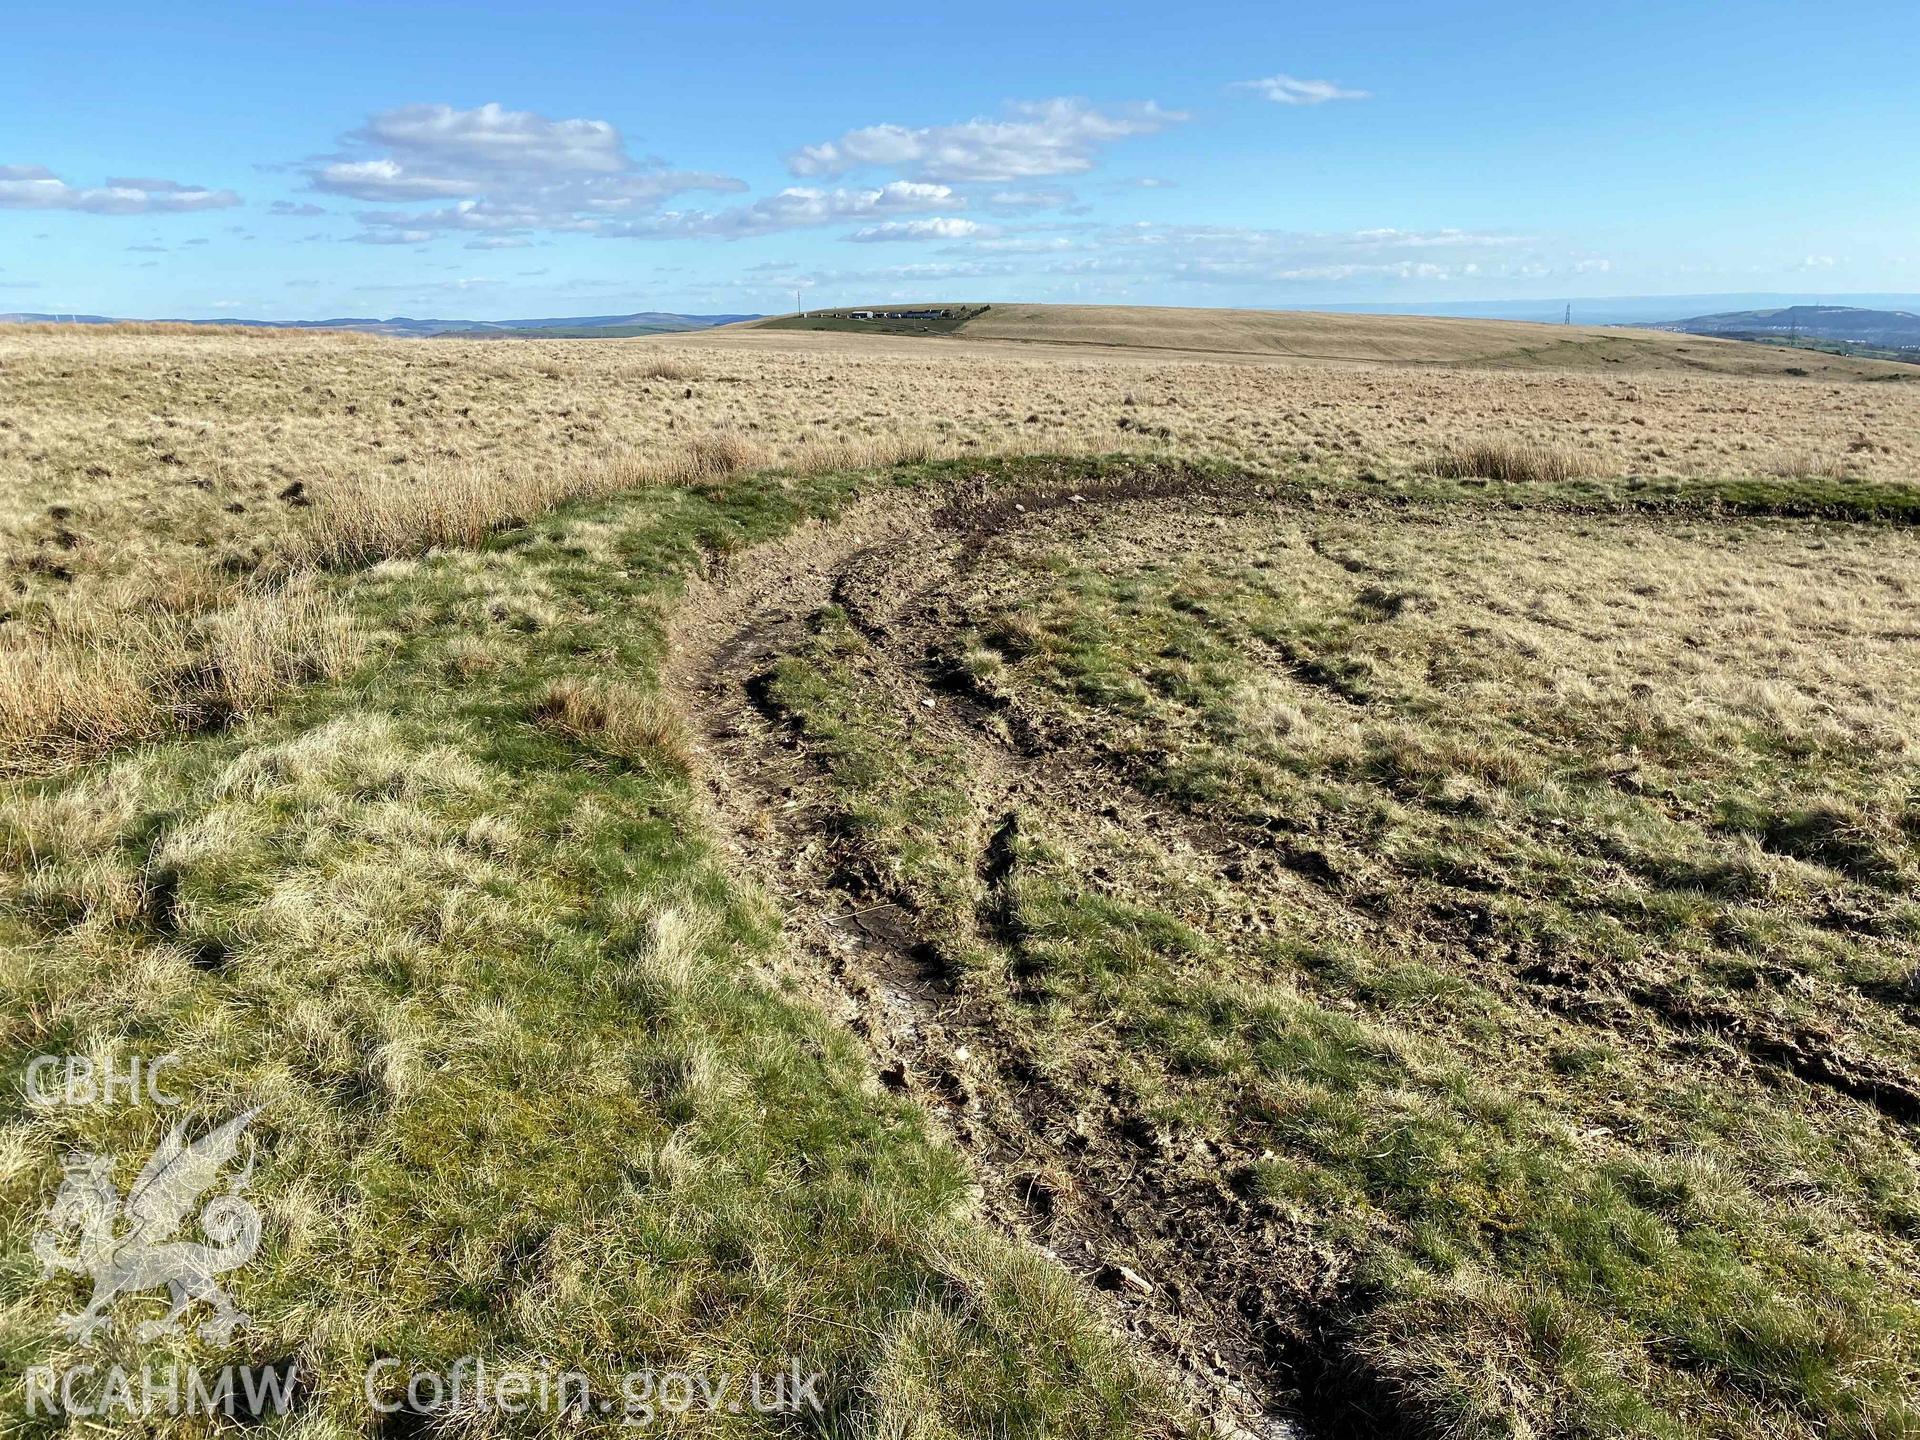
x=1437 y=966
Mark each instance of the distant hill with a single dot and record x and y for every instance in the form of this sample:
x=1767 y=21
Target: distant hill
x=1848 y=324
x=645 y=322
x=1305 y=335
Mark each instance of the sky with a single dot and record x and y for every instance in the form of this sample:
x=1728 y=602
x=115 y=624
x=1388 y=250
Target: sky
x=480 y=160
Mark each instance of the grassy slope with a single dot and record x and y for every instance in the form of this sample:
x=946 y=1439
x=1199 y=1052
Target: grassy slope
x=526 y=1092
x=1400 y=339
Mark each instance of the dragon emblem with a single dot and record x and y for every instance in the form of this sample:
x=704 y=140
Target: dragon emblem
x=148 y=1255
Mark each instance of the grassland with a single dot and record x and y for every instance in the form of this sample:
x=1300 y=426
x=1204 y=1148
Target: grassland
x=1406 y=924
x=528 y=1089
x=156 y=481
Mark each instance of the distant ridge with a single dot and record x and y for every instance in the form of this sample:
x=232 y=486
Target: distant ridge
x=1897 y=330
x=1304 y=335
x=644 y=322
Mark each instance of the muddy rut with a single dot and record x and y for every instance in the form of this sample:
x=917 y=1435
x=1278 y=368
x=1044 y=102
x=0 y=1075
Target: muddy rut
x=1212 y=1291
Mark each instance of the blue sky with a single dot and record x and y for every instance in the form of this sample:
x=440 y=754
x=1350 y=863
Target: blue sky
x=288 y=161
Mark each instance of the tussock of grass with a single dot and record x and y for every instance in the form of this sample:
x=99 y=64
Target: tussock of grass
x=1809 y=465
x=666 y=369
x=618 y=718
x=1506 y=461
x=367 y=517
x=75 y=687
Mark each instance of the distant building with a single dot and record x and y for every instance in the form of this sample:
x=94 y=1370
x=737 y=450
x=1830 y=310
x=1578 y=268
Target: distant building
x=899 y=314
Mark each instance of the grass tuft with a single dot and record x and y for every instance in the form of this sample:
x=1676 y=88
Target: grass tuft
x=616 y=718
x=1508 y=462
x=77 y=687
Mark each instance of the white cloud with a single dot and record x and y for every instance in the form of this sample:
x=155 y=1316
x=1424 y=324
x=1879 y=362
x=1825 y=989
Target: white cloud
x=939 y=228
x=393 y=237
x=1257 y=260
x=461 y=286
x=1287 y=90
x=1054 y=198
x=794 y=208
x=1041 y=138
x=509 y=170
x=388 y=179
x=493 y=138
x=1389 y=238
x=1026 y=244
x=34 y=187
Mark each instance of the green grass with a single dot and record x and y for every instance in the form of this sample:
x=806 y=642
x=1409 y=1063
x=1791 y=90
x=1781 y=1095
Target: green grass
x=527 y=1091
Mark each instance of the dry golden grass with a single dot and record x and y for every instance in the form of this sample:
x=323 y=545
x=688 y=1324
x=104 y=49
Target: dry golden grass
x=154 y=474
x=1511 y=464
x=665 y=369
x=212 y=330
x=82 y=683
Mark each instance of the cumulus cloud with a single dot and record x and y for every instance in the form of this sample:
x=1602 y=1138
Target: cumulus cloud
x=1287 y=90
x=505 y=170
x=34 y=187
x=288 y=207
x=939 y=228
x=1038 y=138
x=493 y=138
x=388 y=179
x=797 y=207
